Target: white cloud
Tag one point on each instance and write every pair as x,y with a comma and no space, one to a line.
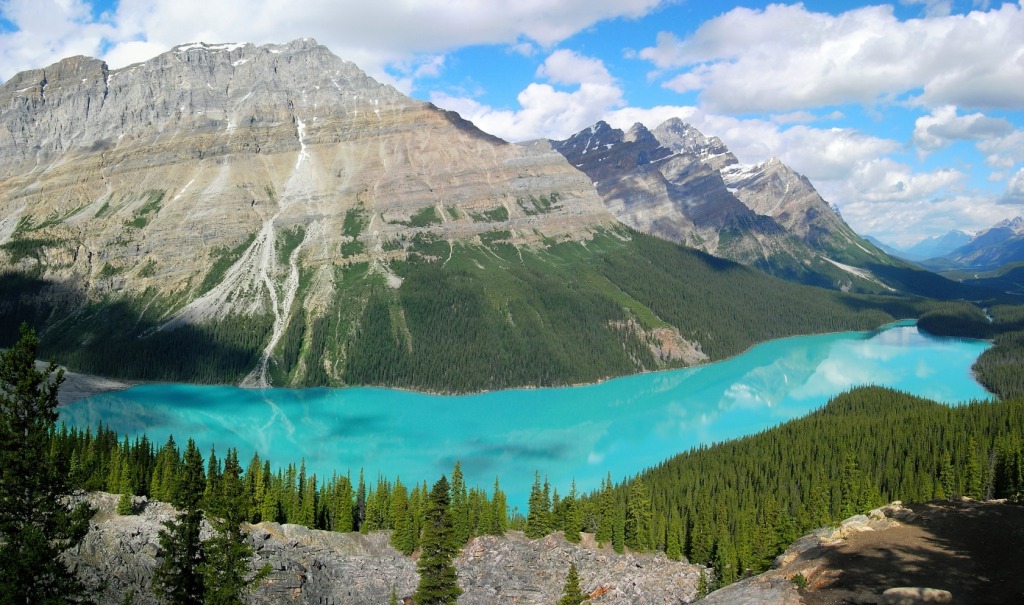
1015,190
944,126
885,180
544,110
373,34
567,67
891,201
789,58
1004,152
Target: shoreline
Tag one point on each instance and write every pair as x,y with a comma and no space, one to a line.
82,386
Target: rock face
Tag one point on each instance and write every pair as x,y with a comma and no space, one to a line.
677,183
215,180
315,567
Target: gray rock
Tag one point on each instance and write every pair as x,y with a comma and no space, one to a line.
316,567
912,595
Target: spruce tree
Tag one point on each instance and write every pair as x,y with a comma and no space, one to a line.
499,512
460,506
572,594
225,568
401,517
539,510
35,523
638,517
438,581
177,578
126,504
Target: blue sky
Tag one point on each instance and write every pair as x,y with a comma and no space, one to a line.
908,116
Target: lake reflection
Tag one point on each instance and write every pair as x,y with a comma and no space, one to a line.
619,426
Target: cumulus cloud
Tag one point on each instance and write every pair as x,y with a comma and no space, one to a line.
1004,152
1015,190
545,111
944,126
373,34
785,58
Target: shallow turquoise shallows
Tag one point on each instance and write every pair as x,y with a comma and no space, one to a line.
620,426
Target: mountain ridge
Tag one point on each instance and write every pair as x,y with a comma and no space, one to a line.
272,216
676,183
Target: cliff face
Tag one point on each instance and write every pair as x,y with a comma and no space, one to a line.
315,567
131,178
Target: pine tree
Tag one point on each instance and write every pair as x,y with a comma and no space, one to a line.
499,512
973,473
605,513
619,529
638,517
359,513
225,568
460,507
401,517
126,503
438,581
572,594
674,540
177,578
539,510
35,525
571,522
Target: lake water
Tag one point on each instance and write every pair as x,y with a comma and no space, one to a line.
620,426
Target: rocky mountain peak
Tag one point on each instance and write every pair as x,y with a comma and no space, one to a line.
1016,224
681,137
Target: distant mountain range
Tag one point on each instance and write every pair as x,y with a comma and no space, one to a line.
935,246
270,215
989,250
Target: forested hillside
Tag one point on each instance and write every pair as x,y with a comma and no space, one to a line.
468,317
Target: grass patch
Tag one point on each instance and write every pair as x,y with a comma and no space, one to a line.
223,258
355,221
148,269
538,205
287,241
26,247
352,248
424,218
494,215
489,238
109,270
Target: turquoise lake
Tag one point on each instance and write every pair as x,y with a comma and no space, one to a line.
619,426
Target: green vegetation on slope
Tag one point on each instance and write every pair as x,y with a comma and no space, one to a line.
467,317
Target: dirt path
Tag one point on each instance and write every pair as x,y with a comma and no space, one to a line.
974,550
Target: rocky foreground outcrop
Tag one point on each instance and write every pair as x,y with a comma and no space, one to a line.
310,566
945,551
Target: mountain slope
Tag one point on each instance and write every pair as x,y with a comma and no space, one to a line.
272,216
678,184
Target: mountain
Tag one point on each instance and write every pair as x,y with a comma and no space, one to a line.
938,245
989,250
884,247
678,184
271,215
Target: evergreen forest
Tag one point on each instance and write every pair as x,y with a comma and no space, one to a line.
731,506
468,317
